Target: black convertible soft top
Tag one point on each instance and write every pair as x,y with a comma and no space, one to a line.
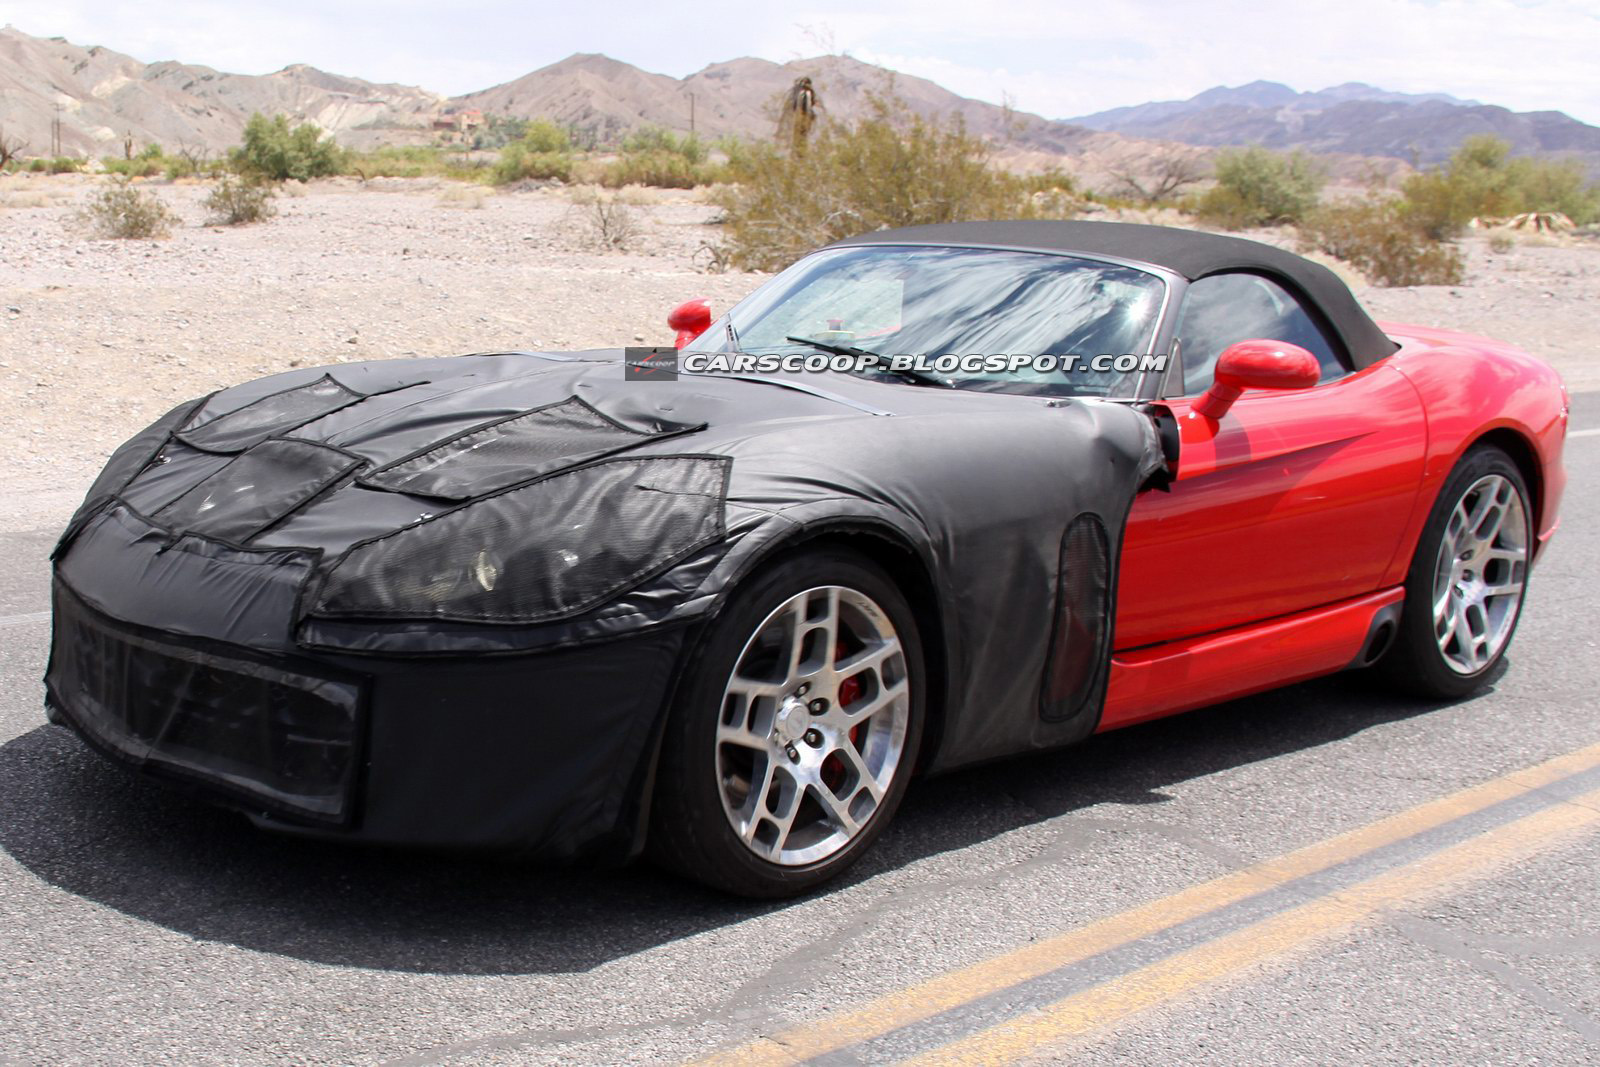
1189,253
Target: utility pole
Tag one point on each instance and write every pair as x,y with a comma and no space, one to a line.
55,135
691,114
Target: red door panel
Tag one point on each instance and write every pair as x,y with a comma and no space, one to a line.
1296,500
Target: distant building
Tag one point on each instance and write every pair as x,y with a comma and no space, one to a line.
459,123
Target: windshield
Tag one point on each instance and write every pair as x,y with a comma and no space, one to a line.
932,302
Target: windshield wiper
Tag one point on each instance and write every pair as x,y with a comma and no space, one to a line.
907,373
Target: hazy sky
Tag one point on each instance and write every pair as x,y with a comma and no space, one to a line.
1056,59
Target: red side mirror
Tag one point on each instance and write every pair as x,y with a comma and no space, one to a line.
690,319
1256,365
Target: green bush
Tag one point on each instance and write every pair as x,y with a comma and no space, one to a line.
238,202
274,152
665,170
142,166
517,164
543,153
544,136
655,156
58,165
1481,179
659,139
122,211
498,131
888,169
1376,236
1256,187
147,164
412,161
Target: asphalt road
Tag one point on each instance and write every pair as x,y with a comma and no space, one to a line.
1174,893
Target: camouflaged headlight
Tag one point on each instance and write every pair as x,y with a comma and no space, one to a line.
548,550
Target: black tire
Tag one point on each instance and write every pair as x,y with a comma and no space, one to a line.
1415,663
691,832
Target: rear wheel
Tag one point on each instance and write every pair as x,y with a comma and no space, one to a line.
795,732
1467,581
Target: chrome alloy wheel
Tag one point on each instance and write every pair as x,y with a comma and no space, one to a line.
813,725
1479,576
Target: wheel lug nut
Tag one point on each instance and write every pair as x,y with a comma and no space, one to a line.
794,753
814,737
802,689
818,706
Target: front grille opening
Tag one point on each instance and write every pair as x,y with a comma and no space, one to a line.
284,740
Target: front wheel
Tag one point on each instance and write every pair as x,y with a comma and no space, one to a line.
796,729
1467,580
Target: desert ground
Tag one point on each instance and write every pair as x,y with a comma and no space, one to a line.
98,337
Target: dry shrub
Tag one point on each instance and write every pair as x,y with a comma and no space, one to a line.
192,161
889,169
1376,237
23,200
119,210
236,202
1162,180
471,197
711,258
1501,243
608,218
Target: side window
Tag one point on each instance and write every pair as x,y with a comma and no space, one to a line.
1225,308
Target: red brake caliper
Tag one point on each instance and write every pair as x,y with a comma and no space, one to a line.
849,693
849,689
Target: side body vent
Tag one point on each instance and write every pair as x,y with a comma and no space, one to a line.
1079,641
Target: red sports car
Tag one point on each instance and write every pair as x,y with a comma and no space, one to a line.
928,497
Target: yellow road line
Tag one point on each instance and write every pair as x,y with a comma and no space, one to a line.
1250,947
962,986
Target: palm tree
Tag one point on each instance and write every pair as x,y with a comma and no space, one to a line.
798,114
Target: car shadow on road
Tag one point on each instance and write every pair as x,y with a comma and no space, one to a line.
160,856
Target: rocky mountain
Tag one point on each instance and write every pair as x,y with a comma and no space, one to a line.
1351,118
102,97
604,98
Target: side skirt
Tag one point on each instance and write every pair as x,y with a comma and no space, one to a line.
1148,683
